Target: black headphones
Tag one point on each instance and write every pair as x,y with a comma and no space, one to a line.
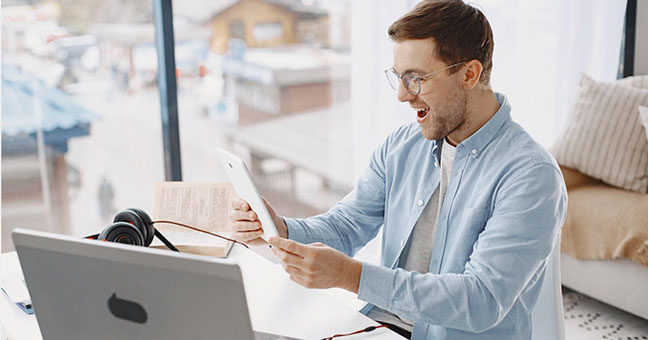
132,226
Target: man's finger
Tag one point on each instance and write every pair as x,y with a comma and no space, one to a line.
297,279
301,281
248,235
257,242
289,259
240,204
289,246
292,270
243,226
239,215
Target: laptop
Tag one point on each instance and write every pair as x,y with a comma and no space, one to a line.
85,289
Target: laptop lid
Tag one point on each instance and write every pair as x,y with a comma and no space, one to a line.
86,289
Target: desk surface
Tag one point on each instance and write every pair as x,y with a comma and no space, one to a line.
292,310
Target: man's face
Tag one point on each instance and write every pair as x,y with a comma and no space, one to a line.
440,107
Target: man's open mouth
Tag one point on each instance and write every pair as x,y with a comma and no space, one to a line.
422,111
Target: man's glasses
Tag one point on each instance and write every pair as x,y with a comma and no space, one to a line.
412,81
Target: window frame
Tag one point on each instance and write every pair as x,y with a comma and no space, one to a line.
167,85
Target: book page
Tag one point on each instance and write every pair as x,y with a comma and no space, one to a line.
203,205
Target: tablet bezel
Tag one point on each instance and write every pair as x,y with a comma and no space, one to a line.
239,175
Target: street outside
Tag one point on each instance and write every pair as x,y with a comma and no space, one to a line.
125,146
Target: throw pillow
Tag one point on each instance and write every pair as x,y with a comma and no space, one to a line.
636,81
604,137
643,113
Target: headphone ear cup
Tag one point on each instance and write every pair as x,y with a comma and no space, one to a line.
122,232
148,225
129,216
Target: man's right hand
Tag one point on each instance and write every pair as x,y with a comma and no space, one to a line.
248,228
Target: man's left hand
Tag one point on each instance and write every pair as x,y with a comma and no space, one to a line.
317,265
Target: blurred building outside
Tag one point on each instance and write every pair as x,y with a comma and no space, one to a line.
37,182
101,55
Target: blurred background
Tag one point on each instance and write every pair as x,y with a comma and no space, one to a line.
296,87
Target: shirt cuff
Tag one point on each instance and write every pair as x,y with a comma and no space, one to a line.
376,285
296,231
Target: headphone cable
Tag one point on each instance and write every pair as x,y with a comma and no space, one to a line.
202,231
368,329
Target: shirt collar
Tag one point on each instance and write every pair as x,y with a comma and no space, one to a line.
482,137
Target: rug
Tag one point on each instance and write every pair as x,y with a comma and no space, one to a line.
589,319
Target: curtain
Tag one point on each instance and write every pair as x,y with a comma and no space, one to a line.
541,47
376,110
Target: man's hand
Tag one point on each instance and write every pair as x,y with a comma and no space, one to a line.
247,227
317,265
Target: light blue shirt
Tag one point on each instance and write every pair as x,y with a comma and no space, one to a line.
504,208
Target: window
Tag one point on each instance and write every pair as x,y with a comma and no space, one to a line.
80,114
301,100
237,29
268,31
279,97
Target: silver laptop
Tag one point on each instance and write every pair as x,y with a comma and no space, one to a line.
85,289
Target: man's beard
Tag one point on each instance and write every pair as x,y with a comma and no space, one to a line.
446,120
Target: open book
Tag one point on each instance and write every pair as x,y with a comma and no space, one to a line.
201,205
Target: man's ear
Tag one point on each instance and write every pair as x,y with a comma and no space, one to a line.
472,73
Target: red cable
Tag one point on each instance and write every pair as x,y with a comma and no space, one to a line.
368,329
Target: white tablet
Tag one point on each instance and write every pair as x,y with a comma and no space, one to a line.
242,181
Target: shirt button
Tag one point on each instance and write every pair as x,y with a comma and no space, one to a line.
474,151
419,202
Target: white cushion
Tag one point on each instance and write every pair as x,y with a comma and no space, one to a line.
604,137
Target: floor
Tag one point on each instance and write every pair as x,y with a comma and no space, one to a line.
589,319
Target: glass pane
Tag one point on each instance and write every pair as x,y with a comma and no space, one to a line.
81,136
274,88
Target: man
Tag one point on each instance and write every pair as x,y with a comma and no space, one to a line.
470,205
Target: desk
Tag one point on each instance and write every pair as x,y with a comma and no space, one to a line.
291,310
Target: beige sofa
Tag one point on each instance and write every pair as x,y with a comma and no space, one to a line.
605,243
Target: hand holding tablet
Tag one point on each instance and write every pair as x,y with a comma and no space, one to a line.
251,212
248,228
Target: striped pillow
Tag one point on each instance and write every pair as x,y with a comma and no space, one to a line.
643,113
604,137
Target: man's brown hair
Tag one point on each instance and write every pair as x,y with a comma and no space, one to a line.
460,32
